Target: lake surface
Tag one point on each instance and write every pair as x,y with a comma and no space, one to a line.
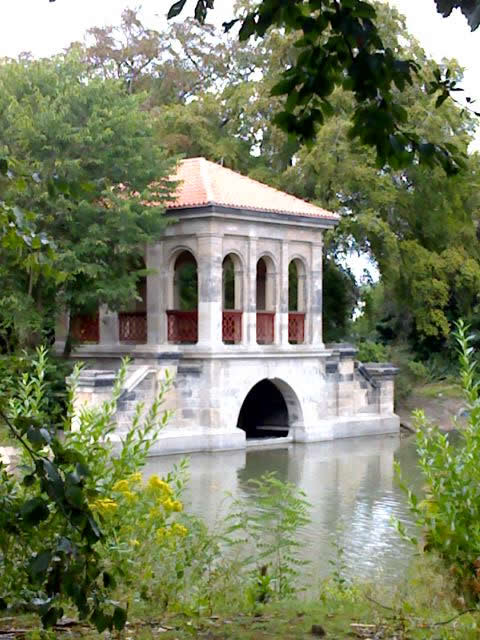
350,484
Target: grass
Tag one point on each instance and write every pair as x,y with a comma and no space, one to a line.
444,389
423,607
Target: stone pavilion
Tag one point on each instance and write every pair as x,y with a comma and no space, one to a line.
233,309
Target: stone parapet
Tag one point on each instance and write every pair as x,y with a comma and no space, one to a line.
382,376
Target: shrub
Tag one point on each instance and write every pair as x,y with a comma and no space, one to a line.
52,525
449,513
417,370
369,351
56,370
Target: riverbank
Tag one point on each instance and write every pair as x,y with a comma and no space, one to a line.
441,402
420,608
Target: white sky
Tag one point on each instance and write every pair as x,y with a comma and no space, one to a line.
44,27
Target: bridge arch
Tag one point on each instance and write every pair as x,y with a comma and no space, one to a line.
270,409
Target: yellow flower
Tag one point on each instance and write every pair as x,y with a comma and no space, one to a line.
155,483
135,543
172,505
135,478
130,496
104,505
154,513
167,504
162,533
179,529
177,506
121,485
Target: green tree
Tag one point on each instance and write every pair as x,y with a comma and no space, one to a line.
87,132
339,45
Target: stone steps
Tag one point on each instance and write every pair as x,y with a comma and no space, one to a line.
144,393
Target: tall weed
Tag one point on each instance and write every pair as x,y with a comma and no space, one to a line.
448,515
268,535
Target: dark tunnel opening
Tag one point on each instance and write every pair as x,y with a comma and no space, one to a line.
264,413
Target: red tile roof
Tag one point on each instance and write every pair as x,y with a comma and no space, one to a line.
205,183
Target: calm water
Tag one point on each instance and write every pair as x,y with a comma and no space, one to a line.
350,484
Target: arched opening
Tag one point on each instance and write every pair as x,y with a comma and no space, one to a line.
296,302
264,413
132,321
265,291
229,284
183,318
232,300
293,286
185,282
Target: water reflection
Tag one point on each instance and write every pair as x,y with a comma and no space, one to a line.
350,484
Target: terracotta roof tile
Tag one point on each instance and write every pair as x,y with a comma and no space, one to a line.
205,183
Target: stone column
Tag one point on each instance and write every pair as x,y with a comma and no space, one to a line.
210,293
314,312
157,286
62,322
239,286
108,326
282,307
250,308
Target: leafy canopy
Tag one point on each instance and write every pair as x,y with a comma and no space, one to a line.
68,124
339,45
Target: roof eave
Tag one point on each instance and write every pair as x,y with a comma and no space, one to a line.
213,209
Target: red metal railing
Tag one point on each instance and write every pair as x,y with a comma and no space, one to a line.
132,327
265,327
232,327
85,328
296,328
182,327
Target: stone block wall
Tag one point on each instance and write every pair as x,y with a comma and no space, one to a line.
327,395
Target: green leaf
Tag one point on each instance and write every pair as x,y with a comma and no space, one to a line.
101,620
3,166
34,511
248,27
200,11
51,617
119,618
284,86
38,437
176,9
70,456
38,566
29,480
441,99
74,495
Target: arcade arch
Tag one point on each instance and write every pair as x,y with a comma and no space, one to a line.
296,301
132,321
183,313
232,297
265,300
